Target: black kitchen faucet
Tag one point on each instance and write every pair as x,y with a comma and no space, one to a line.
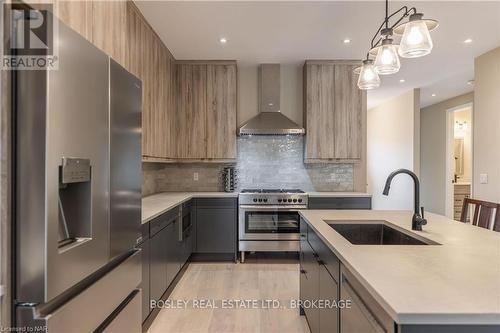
417,220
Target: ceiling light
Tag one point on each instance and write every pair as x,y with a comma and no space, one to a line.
223,40
468,41
387,60
470,82
415,41
402,81
346,41
433,95
368,77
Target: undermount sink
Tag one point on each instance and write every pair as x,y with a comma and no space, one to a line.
376,233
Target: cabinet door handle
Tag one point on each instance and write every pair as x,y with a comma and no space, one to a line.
362,306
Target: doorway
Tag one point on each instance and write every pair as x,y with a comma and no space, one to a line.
459,157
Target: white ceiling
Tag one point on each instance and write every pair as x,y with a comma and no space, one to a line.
290,32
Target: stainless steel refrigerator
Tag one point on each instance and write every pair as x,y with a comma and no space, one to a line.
77,193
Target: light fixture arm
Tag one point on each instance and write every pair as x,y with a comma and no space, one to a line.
406,13
382,56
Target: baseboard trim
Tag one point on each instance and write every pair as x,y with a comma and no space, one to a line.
213,257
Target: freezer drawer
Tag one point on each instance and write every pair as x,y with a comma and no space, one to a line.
87,309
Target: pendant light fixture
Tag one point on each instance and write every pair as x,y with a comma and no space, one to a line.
415,42
387,60
368,76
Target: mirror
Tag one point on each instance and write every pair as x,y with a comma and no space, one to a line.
459,156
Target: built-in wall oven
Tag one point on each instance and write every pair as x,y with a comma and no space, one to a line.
269,220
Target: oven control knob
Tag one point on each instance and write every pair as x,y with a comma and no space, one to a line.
260,200
265,200
289,200
279,200
300,200
254,200
294,200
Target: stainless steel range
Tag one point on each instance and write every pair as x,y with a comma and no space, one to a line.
269,219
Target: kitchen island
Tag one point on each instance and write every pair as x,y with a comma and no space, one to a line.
452,284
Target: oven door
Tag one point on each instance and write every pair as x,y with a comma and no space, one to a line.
269,222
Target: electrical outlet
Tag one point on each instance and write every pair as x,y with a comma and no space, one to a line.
195,176
483,178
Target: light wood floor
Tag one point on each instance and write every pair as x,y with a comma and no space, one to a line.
256,279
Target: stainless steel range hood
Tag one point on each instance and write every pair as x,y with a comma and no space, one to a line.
270,121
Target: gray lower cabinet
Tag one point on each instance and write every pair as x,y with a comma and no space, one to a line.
169,240
318,284
187,244
329,292
309,286
340,203
188,225
216,225
172,249
364,314
158,260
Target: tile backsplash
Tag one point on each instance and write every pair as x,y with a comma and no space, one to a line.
277,162
262,162
179,177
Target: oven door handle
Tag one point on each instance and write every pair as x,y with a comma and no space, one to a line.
273,208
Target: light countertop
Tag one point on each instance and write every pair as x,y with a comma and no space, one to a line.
338,194
157,204
457,282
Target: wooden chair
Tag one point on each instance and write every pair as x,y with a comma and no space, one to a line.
483,212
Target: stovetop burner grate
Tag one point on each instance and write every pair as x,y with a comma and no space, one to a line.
272,191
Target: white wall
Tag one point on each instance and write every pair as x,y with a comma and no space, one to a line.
433,152
393,143
487,125
291,92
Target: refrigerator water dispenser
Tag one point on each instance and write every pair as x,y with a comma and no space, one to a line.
74,202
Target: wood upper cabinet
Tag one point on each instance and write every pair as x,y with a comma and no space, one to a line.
335,112
77,15
319,110
348,113
109,28
150,60
188,108
206,110
191,113
221,111
135,28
